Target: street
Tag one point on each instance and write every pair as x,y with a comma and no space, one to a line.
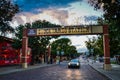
56,72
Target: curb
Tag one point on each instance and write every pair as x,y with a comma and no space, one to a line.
108,78
22,69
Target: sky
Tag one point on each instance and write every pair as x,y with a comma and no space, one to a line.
63,12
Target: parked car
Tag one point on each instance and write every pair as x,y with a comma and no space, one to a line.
74,63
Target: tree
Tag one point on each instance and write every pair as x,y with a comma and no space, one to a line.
71,52
7,11
114,39
96,44
59,45
90,45
111,9
99,46
63,44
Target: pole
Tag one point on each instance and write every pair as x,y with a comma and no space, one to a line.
49,54
24,49
107,64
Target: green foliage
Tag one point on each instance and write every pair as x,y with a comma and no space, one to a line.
96,44
114,39
7,12
60,44
63,44
111,8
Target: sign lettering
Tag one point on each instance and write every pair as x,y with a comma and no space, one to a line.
65,31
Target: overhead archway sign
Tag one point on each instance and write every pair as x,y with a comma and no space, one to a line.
65,31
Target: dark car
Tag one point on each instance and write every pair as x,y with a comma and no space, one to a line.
74,63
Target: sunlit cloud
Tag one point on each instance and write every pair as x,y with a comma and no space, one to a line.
60,15
51,15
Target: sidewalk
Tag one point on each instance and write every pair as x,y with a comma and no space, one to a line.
12,69
113,74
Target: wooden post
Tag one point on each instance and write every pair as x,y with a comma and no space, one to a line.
107,64
24,49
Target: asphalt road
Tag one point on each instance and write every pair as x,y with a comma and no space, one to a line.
56,72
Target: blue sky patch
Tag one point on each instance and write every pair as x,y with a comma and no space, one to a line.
33,5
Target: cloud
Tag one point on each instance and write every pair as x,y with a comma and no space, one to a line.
91,18
52,15
22,18
60,15
33,5
77,40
